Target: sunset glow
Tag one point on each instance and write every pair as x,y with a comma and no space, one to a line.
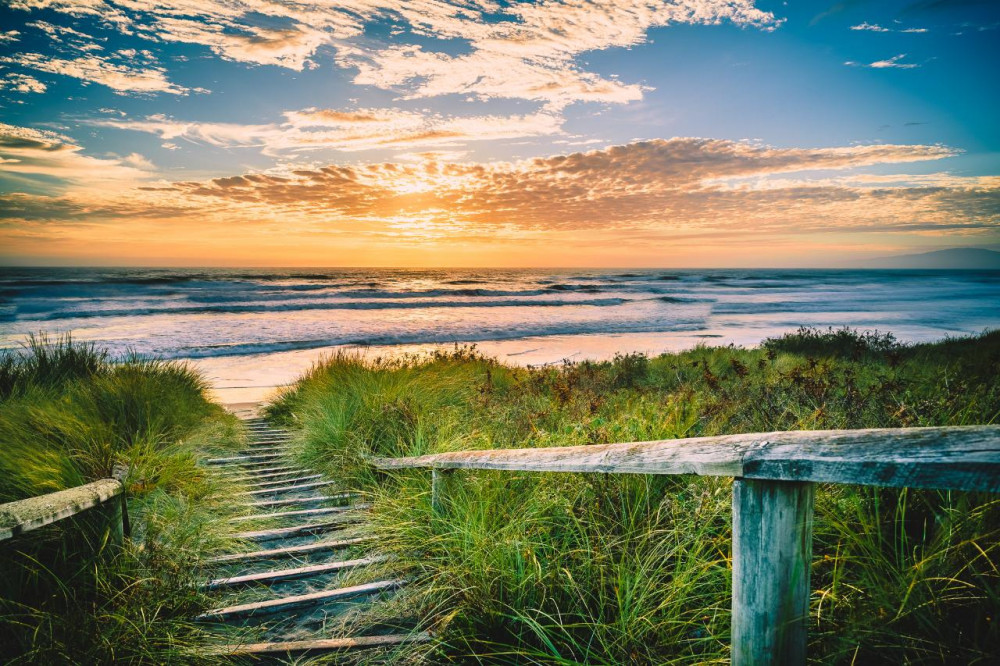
553,133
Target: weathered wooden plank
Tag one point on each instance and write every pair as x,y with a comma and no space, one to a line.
772,553
291,514
297,480
717,456
289,551
288,603
958,457
301,530
279,575
29,514
303,500
282,489
442,481
237,471
268,475
323,644
248,457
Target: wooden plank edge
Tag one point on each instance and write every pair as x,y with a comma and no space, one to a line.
323,644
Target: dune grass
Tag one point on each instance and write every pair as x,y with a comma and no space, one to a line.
572,569
74,592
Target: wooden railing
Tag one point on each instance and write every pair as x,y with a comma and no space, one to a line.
773,489
30,514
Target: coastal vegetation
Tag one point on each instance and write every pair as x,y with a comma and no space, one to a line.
75,592
572,569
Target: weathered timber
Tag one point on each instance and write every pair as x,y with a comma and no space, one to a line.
772,553
282,489
278,575
323,644
290,551
300,530
250,457
286,603
956,457
29,514
278,470
442,481
288,482
291,514
303,500
269,475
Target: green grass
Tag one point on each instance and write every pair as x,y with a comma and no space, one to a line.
572,569
73,593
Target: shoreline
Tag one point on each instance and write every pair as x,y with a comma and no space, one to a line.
254,378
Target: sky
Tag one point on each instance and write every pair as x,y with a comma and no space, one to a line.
723,133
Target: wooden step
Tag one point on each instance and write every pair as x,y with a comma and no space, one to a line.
300,530
278,575
288,514
287,603
282,489
289,551
323,644
266,484
251,466
244,458
303,500
271,475
238,472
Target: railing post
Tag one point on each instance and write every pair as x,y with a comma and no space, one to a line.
772,553
120,473
440,484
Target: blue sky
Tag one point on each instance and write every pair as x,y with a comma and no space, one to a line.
436,133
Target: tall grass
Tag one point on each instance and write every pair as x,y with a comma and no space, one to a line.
572,569
73,592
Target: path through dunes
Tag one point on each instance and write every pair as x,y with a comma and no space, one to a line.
308,564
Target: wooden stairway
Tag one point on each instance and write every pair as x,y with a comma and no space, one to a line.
284,593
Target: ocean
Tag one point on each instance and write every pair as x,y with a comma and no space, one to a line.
525,316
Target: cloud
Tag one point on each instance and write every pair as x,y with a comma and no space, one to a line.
22,83
346,130
487,50
890,63
870,27
9,36
874,27
30,156
675,182
121,78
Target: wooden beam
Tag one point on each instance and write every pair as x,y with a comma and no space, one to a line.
291,514
299,530
772,554
304,500
289,482
289,551
323,644
30,514
282,489
278,575
955,457
287,603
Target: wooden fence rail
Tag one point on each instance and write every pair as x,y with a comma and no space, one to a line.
30,514
773,495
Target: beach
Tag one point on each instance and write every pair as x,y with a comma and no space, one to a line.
252,331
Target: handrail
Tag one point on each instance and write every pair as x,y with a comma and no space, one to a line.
953,457
30,514
773,492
